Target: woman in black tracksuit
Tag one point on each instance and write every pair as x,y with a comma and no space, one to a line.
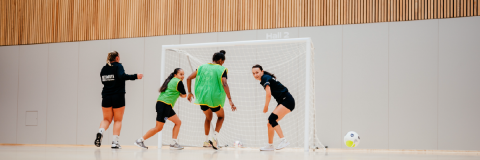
113,97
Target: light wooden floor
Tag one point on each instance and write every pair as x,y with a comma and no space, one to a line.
61,152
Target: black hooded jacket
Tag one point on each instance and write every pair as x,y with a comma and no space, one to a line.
113,79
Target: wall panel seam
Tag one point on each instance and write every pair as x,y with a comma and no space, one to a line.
46,108
341,92
388,85
18,95
438,78
78,85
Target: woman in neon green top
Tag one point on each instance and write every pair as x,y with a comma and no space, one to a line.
171,89
210,89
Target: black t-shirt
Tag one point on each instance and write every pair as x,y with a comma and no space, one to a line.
113,79
277,88
223,75
181,88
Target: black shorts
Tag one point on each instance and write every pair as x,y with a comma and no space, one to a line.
205,108
164,111
287,101
115,101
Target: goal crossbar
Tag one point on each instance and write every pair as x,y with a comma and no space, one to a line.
234,43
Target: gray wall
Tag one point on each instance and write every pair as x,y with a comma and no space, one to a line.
400,85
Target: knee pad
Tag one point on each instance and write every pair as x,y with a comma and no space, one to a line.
273,120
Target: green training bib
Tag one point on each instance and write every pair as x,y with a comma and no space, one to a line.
208,85
170,95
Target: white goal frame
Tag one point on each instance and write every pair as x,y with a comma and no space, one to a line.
308,77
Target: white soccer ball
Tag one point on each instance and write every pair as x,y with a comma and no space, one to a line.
238,144
352,139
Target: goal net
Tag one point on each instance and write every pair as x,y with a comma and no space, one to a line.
291,60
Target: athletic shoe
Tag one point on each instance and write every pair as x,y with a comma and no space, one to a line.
140,144
98,140
116,145
176,146
284,143
269,147
207,144
214,143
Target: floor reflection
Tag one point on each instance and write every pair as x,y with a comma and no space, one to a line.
133,153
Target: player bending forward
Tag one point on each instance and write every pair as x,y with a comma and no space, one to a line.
171,89
285,101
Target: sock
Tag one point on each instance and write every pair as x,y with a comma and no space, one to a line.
175,141
140,139
282,139
115,138
206,138
271,144
101,130
215,135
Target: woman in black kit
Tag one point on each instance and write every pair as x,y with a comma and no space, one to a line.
285,101
113,97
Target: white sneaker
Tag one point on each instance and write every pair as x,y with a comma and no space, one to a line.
284,143
207,144
214,143
269,147
140,144
175,146
115,145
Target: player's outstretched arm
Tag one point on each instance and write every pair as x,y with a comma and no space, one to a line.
227,91
189,86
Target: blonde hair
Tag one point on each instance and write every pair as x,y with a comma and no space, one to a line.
111,57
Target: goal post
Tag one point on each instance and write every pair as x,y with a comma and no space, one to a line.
291,60
307,94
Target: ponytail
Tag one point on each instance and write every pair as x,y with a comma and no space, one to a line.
111,57
268,73
165,84
264,72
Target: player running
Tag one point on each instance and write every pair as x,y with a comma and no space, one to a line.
171,89
210,90
113,78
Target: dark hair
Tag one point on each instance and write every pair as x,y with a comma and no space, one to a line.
264,72
219,56
165,84
111,57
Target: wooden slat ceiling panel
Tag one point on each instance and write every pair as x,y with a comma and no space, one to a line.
48,21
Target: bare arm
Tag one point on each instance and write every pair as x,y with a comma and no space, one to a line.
226,88
267,98
183,95
189,85
227,91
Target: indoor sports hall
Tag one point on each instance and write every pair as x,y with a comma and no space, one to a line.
239,79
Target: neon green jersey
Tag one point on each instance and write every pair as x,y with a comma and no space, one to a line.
170,95
208,85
